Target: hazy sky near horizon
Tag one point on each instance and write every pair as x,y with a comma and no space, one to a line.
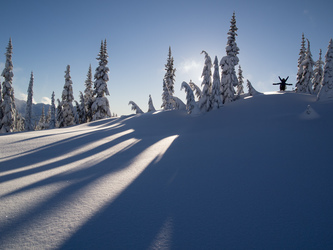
49,35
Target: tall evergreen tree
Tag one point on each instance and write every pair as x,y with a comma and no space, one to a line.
229,79
216,95
100,107
168,84
151,107
318,73
52,123
326,90
302,53
205,99
88,95
8,104
240,88
67,101
305,83
28,111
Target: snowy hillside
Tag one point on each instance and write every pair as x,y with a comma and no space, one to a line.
255,174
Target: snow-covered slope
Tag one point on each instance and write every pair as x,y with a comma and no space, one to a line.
256,174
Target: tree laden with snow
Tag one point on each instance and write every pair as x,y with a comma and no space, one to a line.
151,107
251,89
240,88
1,111
205,100
52,123
135,107
28,110
216,95
41,124
195,88
88,95
191,105
80,110
326,90
318,73
60,122
302,53
7,124
305,83
229,79
100,107
48,118
67,114
168,84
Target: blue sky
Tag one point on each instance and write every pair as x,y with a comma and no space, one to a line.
49,35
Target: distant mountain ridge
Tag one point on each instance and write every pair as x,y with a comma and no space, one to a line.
36,109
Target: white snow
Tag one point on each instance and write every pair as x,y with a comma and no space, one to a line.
252,175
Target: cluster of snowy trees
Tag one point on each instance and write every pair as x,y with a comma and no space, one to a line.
93,104
315,77
216,90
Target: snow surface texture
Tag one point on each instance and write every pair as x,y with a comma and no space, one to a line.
250,175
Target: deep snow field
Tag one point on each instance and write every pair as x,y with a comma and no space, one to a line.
256,174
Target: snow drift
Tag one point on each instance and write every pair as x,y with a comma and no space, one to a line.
252,174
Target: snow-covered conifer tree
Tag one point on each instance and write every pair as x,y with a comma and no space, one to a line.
1,111
240,88
326,90
168,84
216,95
67,101
80,110
299,65
52,123
41,123
88,95
19,122
151,107
100,107
229,79
76,113
191,105
28,111
318,73
305,83
60,121
8,103
196,89
135,107
48,118
251,89
205,99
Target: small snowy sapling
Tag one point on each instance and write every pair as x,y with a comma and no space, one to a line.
135,107
191,105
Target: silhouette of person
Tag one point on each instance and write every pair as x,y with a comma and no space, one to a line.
283,83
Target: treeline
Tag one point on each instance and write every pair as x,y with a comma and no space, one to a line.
216,89
93,104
